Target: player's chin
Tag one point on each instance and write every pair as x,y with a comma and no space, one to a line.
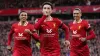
76,17
24,20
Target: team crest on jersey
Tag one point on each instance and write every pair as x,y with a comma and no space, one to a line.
79,27
54,25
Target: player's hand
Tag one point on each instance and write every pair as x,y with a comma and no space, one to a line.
45,13
9,48
28,31
67,43
82,39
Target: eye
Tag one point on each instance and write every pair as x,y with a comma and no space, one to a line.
23,15
48,8
76,13
44,8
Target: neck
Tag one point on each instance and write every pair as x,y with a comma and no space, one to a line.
23,22
77,20
49,18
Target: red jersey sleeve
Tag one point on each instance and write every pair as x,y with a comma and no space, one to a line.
38,23
65,28
10,35
87,25
89,30
34,35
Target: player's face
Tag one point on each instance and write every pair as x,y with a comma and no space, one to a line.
23,16
47,10
76,14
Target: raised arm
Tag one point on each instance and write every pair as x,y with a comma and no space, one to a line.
39,22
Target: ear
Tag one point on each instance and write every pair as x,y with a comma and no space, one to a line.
42,10
19,16
51,10
80,14
27,16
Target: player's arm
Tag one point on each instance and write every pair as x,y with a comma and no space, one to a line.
90,31
33,33
10,38
35,36
38,23
66,29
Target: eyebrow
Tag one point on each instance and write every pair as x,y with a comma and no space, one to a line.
76,13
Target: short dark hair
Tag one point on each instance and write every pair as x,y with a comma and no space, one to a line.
48,3
78,9
22,12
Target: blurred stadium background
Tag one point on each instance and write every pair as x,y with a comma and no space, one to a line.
9,10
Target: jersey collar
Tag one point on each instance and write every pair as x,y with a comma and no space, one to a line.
24,24
77,22
50,19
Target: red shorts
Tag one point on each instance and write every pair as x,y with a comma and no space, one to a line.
17,53
79,53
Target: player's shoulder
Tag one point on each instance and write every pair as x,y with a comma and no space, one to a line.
56,19
14,24
30,24
84,21
70,23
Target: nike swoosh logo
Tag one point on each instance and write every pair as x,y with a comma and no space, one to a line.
95,9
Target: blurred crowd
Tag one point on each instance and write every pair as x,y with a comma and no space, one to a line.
94,45
5,4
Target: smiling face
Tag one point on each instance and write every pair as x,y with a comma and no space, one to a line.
77,14
23,16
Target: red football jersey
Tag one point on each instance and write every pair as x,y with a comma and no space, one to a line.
49,35
21,38
80,28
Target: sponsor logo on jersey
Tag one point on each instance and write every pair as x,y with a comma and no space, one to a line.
49,30
49,35
20,37
20,34
74,31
